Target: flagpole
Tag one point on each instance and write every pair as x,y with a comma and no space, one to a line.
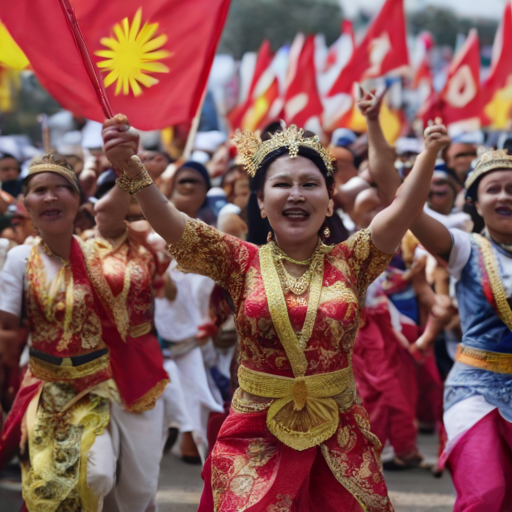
191,139
92,71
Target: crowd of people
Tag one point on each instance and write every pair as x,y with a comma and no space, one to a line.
287,313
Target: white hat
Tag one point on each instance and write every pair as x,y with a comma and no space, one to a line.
209,141
91,135
408,145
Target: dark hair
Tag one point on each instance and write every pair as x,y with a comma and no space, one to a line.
258,181
4,156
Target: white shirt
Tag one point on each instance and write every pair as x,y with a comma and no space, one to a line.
179,319
461,252
12,276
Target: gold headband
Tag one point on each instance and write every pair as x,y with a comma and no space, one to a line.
57,169
491,160
252,150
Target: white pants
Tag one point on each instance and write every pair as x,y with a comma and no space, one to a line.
196,391
176,411
124,463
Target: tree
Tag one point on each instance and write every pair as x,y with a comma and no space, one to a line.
252,21
444,24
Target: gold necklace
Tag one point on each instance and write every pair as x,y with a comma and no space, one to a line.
296,285
283,256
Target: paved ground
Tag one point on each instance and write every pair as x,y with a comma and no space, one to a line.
180,487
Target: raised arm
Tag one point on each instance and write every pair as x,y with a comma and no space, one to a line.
390,225
121,143
380,154
111,211
433,235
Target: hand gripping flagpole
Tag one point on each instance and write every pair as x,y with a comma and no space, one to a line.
90,68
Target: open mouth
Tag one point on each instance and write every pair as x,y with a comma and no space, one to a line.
296,214
51,214
504,210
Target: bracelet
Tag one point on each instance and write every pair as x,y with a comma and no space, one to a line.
134,185
143,180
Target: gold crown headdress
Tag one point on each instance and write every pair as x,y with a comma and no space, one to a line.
490,160
45,164
252,150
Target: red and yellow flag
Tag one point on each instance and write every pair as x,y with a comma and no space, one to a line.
154,55
497,88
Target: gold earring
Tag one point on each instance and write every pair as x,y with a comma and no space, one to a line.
270,236
327,232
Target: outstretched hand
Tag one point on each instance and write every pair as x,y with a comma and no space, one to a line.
370,103
436,136
120,143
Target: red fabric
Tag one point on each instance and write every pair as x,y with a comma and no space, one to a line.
429,408
302,100
11,432
265,56
501,66
192,27
274,475
460,99
383,49
137,363
481,466
385,376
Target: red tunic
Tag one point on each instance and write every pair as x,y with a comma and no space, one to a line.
249,468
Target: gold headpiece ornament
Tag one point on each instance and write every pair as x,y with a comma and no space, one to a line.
252,150
46,163
490,160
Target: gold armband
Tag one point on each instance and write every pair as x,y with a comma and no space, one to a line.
134,185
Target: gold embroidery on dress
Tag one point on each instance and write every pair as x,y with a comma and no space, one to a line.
49,302
59,443
240,477
204,250
52,373
95,252
356,481
284,504
495,279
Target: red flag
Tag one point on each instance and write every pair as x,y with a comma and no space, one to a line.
302,100
335,53
383,49
460,99
155,59
261,71
497,88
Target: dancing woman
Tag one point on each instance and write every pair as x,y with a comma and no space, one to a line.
478,391
80,363
296,438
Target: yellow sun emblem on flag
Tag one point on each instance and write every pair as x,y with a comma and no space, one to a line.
132,54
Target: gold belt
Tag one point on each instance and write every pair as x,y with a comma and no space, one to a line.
491,361
305,412
64,372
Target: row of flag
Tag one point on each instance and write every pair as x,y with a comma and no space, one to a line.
151,61
464,103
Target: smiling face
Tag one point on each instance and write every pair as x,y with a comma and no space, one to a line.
494,204
295,199
189,191
52,203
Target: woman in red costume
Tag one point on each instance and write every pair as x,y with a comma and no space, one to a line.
80,410
297,437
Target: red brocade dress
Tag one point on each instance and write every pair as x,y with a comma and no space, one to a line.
297,437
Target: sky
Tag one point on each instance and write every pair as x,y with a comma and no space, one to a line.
470,8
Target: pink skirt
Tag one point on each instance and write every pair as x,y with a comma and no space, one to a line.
481,466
